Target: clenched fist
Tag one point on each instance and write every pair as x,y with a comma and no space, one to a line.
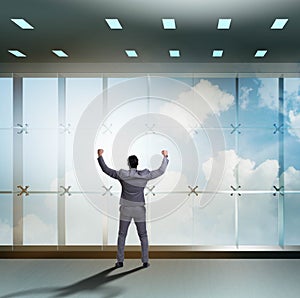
100,152
165,153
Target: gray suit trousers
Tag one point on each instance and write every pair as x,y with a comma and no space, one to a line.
138,214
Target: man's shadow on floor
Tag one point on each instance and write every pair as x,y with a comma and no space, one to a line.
90,284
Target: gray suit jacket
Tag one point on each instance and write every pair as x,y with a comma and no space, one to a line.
133,181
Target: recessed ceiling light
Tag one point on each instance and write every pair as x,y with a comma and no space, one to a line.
60,53
17,53
279,24
22,23
131,53
174,53
169,24
224,24
217,53
260,53
114,24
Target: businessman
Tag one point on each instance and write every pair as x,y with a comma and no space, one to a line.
132,201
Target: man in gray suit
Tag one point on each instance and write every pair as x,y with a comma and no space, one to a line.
132,201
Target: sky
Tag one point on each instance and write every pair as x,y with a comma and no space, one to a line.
191,112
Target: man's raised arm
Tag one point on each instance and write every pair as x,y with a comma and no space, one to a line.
156,173
110,172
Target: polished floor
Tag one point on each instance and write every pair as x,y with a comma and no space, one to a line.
213,278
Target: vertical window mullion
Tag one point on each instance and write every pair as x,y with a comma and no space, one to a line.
237,169
281,164
61,223
17,161
104,109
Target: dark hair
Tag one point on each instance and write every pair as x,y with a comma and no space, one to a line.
133,161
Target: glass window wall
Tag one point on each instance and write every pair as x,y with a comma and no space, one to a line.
233,177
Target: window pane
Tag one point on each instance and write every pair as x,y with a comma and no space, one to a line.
215,223
40,102
292,134
83,222
195,225
40,219
258,219
291,162
121,91
6,102
170,89
177,226
219,94
40,160
258,163
6,219
80,92
292,104
292,219
6,123
6,159
258,102
217,164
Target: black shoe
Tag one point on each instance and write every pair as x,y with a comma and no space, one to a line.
119,264
145,265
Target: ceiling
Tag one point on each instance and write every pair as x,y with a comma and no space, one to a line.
79,28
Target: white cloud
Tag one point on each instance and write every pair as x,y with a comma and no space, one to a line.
294,124
202,100
268,93
244,96
250,175
292,106
227,168
292,179
264,176
291,88
219,100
